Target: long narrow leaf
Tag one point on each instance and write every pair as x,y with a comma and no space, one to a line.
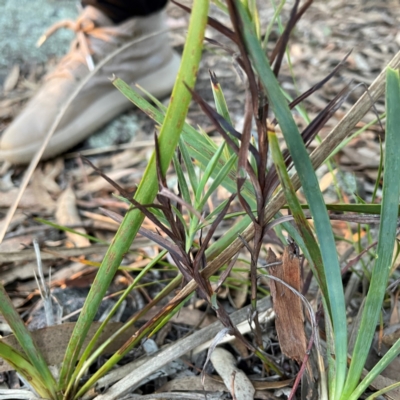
25,368
381,365
194,182
25,340
181,180
219,178
147,190
313,194
208,173
387,234
221,106
297,212
199,146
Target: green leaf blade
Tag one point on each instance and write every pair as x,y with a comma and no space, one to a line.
27,343
313,194
148,187
387,234
25,368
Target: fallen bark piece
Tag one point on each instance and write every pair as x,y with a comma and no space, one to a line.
238,384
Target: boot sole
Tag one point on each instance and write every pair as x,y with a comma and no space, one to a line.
97,115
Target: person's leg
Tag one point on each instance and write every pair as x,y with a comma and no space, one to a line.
147,60
120,10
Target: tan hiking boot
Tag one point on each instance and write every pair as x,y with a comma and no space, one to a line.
150,62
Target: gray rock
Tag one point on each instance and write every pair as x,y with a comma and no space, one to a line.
22,23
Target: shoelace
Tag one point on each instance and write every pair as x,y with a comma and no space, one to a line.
84,28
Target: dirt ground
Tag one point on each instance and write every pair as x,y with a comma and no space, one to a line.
67,192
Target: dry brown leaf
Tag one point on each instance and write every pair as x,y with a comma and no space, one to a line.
16,223
16,243
362,157
25,271
101,218
41,193
99,183
60,276
30,199
47,254
288,306
67,214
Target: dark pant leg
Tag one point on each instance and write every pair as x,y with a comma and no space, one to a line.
120,10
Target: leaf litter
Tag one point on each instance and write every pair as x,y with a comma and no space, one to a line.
67,192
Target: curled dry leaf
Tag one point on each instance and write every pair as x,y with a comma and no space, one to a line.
238,384
67,214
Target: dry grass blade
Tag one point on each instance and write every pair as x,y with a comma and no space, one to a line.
217,339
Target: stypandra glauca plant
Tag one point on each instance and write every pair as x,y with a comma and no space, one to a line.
264,179
31,365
